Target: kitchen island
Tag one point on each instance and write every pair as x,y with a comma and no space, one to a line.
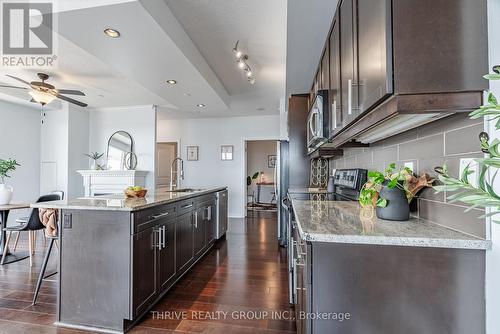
355,273
119,256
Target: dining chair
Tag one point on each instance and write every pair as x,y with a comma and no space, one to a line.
29,224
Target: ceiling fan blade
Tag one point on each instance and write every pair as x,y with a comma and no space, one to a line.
19,79
7,86
70,92
70,100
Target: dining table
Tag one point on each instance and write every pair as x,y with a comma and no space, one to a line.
4,215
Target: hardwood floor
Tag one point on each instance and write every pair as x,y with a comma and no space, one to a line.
240,286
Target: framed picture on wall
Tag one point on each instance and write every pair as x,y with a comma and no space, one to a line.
226,152
192,153
271,161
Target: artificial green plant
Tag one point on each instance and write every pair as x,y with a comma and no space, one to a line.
481,194
7,166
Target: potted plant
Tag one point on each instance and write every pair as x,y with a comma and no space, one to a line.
483,193
95,156
6,166
392,191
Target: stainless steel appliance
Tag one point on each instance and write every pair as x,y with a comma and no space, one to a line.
318,121
221,222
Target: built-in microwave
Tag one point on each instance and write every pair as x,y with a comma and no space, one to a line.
318,121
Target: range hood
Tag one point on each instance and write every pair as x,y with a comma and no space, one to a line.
401,113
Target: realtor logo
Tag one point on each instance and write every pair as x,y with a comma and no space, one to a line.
27,34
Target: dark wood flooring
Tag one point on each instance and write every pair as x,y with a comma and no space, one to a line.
240,286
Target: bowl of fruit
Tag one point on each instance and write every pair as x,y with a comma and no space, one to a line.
135,192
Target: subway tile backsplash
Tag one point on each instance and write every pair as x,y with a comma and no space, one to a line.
446,140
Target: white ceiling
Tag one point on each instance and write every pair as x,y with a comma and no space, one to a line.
189,41
308,25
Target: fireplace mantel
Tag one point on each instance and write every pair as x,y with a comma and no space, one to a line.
103,182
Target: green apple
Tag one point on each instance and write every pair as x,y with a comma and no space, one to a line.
137,188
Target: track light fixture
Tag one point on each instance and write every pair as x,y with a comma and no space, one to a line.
241,61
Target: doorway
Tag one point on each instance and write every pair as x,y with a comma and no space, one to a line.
166,152
261,175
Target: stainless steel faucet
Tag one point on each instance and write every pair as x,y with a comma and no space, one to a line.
179,173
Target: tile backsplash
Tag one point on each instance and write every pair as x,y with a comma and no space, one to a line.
447,140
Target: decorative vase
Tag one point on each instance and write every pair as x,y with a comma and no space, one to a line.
5,194
397,204
94,165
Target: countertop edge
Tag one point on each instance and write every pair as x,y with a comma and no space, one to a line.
56,205
473,244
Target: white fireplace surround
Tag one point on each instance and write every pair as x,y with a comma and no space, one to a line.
105,182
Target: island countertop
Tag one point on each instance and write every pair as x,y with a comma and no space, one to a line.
120,203
348,222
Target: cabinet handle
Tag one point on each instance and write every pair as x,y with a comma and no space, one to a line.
159,215
334,110
349,97
196,219
209,209
159,239
164,242
187,206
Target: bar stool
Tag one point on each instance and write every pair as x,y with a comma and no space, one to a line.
29,224
41,275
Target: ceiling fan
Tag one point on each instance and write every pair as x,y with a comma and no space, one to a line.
43,93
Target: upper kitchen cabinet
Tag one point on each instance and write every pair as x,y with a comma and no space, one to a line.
395,65
348,61
325,69
374,52
335,91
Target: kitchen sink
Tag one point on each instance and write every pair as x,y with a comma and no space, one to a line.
184,190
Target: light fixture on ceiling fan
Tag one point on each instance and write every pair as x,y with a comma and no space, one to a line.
241,60
44,93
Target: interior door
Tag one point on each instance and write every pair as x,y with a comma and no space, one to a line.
335,91
165,154
375,52
348,61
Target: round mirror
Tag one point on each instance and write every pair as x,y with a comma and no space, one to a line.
119,144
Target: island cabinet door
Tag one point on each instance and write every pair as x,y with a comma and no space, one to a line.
209,219
166,255
144,284
184,241
199,230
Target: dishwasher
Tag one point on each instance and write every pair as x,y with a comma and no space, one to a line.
221,221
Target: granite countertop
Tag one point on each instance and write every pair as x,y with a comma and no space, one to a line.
120,203
348,222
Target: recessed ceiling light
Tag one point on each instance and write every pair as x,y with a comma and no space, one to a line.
200,105
172,82
187,94
113,33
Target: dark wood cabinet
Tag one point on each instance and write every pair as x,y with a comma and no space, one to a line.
401,62
144,246
348,61
166,254
325,69
374,45
335,87
184,241
198,231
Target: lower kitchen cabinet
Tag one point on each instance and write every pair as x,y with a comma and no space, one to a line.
184,240
144,269
199,231
166,255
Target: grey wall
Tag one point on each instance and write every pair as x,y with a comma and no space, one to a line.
447,140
